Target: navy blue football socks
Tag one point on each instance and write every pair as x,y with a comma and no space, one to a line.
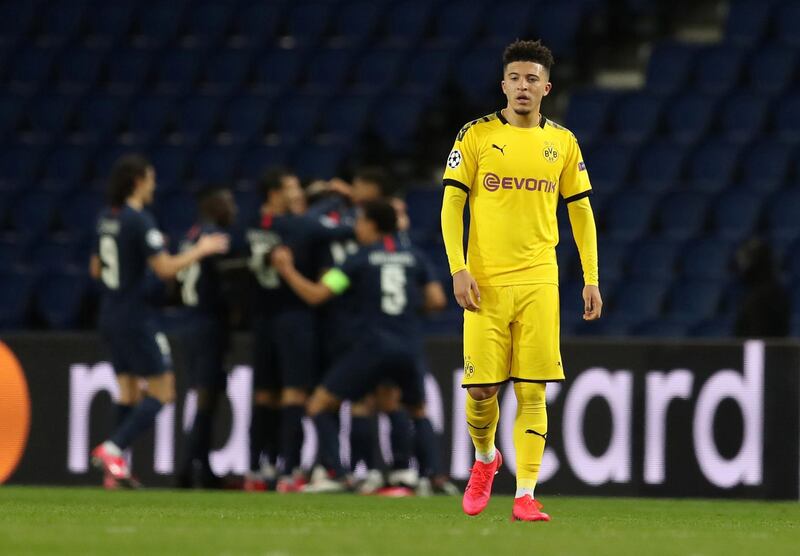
138,421
363,441
327,425
292,436
401,438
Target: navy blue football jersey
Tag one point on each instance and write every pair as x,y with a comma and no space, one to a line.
202,283
125,239
385,282
304,235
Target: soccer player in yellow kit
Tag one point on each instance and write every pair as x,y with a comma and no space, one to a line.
512,166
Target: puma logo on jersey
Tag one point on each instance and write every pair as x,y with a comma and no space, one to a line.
502,151
531,431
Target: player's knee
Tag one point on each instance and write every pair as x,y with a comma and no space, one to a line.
322,400
530,395
388,398
417,411
268,398
162,388
294,396
481,393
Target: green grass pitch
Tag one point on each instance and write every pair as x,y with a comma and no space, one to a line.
92,521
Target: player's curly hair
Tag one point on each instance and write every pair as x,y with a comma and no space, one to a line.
383,214
528,51
127,170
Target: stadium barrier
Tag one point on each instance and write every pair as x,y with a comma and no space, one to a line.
634,418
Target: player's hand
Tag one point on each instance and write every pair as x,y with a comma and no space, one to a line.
592,303
338,185
466,290
282,259
213,244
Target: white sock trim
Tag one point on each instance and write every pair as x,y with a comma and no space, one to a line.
523,491
112,448
486,458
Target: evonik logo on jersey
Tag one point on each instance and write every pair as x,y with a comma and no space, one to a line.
493,182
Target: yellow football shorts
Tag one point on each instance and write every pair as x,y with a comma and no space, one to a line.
514,336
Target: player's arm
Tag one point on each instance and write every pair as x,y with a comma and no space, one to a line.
167,266
95,266
435,299
576,189
459,175
332,283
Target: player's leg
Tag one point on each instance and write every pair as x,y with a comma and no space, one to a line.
536,360
487,355
129,395
401,435
364,443
265,413
298,363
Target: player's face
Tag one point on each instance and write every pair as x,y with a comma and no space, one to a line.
524,84
364,190
147,186
365,230
294,195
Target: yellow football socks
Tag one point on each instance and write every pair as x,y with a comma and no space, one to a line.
530,433
482,417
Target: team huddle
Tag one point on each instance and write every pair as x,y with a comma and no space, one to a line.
348,256
334,293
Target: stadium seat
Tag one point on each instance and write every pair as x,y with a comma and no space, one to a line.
782,213
308,21
196,117
78,69
787,22
706,258
786,118
78,213
427,75
458,22
175,213
681,215
60,22
477,74
66,168
748,22
669,67
16,20
11,111
635,117
742,117
157,23
587,114
255,23
226,70
345,117
148,116
735,213
608,164
257,159
277,70
398,121
170,162
501,29
208,22
659,167
711,166
771,69
557,23
129,71
627,215
248,203
245,117
318,161
660,328
32,214
765,166
50,115
216,164
177,70
56,252
100,116
692,301
109,22
16,288
328,69
378,69
612,256
424,207
638,301
716,327
12,248
653,259
406,22
59,297
693,117
296,117
19,165
356,22
792,262
717,69
30,69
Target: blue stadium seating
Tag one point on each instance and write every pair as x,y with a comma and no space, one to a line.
108,22
406,22
157,23
196,117
427,74
787,118
398,120
742,117
32,214
608,164
19,164
478,73
16,287
653,259
692,301
638,301
51,117
99,116
612,255
178,70
59,296
170,162
706,258
718,69
659,167
130,70
693,115
669,67
787,21
278,69
208,22
356,22
782,214
378,69
587,114
635,117
681,215
216,164
226,70
148,116
345,117
77,214
245,117
79,69
735,213
328,69
256,23
458,22
711,165
318,161
748,21
557,23
65,168
628,216
771,69
502,29
60,22
765,165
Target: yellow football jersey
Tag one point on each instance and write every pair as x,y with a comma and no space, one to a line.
513,177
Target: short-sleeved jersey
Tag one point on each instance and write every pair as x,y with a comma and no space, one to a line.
125,239
385,281
514,177
303,235
202,286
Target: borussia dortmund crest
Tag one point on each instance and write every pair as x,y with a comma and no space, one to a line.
469,368
550,153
